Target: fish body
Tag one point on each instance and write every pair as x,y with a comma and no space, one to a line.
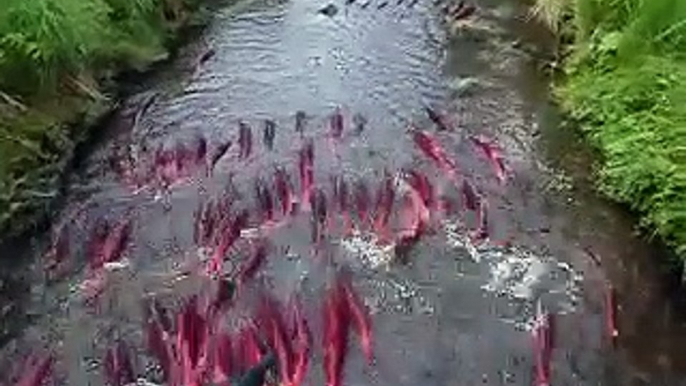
244,140
543,346
336,123
611,312
118,366
306,168
437,119
300,121
269,133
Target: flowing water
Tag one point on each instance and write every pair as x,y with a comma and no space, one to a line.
451,313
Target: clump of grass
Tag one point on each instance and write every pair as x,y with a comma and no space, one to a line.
53,56
626,85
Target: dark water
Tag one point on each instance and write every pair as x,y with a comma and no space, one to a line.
455,314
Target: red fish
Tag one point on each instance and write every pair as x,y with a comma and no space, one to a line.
191,344
265,200
36,371
482,232
300,121
341,197
494,156
611,312
306,168
430,146
159,345
230,233
284,189
248,352
244,140
362,201
359,316
336,123
471,200
269,134
319,214
421,184
385,199
118,367
303,344
272,325
223,359
219,153
543,346
335,338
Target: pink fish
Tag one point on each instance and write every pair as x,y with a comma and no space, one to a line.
362,201
272,325
303,344
482,232
494,156
223,359
431,148
471,200
300,121
265,201
421,184
247,350
611,312
159,345
191,344
230,233
335,338
35,371
341,197
244,140
219,153
319,214
543,346
118,366
306,168
269,134
385,199
359,315
284,189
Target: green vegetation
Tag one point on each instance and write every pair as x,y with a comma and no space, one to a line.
57,60
625,83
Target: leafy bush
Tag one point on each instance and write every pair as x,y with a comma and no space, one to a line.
626,85
52,55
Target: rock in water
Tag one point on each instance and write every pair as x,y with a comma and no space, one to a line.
330,10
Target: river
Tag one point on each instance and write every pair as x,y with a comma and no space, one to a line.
450,313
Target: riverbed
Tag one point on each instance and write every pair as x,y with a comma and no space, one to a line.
453,311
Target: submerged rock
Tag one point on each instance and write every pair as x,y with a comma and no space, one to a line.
330,10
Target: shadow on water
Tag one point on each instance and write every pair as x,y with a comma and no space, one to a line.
466,318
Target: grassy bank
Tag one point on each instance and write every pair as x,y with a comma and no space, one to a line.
58,59
625,83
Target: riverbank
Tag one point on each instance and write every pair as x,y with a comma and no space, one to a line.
624,84
61,67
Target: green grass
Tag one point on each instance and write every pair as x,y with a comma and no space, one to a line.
625,84
55,57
